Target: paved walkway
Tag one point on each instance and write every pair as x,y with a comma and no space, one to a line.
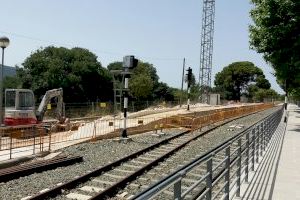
287,185
277,176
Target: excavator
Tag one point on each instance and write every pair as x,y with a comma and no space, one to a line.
20,107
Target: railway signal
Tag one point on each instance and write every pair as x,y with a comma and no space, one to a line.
129,63
189,79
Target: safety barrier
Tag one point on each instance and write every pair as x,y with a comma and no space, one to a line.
223,168
26,140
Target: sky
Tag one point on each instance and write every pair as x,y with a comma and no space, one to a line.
160,32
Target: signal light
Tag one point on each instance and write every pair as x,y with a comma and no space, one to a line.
130,62
189,74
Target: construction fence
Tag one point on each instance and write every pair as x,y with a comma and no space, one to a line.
91,109
27,140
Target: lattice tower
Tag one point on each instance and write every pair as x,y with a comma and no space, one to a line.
206,53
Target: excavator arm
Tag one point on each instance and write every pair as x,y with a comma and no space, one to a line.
46,99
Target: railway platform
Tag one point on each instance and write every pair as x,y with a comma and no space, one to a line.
287,182
277,176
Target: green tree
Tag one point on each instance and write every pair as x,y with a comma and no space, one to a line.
262,82
236,77
76,70
141,86
263,94
11,82
161,91
150,88
276,34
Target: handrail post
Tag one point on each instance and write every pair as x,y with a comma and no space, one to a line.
267,132
10,146
209,178
177,190
1,133
247,158
262,134
49,148
239,163
253,148
257,143
33,140
227,174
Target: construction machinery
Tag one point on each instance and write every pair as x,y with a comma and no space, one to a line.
20,106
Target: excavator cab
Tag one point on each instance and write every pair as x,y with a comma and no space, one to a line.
19,107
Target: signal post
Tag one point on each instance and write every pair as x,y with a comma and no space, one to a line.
129,63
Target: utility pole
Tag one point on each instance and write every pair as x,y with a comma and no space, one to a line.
189,78
182,80
129,62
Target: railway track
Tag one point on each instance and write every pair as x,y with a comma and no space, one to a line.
11,173
238,155
107,181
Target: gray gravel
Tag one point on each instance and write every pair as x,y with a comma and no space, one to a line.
102,152
191,151
95,155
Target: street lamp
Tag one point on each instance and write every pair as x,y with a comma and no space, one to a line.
4,42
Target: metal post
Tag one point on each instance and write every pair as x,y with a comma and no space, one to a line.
253,148
239,165
267,131
266,134
209,178
182,80
4,42
257,143
227,174
10,146
124,132
188,101
285,101
49,141
1,89
33,141
262,136
177,190
247,158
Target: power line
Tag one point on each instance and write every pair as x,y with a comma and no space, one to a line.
94,50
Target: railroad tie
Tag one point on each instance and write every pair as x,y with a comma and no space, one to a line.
91,189
130,197
139,162
145,158
103,182
131,166
122,195
26,198
153,155
187,180
78,196
122,170
114,176
195,175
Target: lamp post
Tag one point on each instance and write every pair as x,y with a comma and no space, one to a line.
4,42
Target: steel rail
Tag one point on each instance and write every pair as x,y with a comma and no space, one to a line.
199,159
114,188
11,173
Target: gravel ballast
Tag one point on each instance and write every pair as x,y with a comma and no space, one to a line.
103,152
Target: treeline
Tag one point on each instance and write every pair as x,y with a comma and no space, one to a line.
84,79
275,33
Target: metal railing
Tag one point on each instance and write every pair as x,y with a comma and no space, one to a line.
221,170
